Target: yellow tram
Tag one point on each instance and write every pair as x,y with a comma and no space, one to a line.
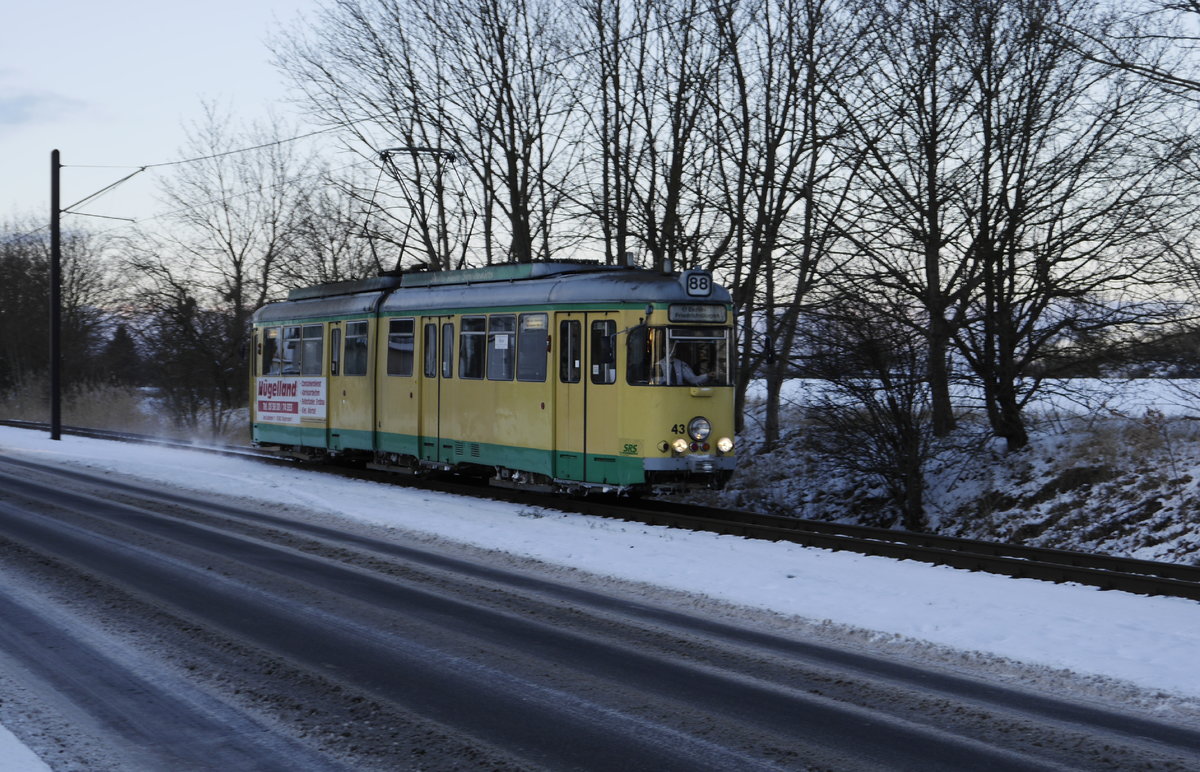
554,375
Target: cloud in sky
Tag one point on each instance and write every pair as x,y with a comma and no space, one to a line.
22,108
118,82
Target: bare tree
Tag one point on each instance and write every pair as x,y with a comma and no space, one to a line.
673,112
234,214
87,287
912,117
1014,190
1158,40
478,78
613,152
1068,193
194,352
780,180
235,222
335,235
875,416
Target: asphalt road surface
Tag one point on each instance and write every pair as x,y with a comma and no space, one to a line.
147,630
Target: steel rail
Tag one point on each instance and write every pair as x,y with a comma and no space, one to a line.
1056,565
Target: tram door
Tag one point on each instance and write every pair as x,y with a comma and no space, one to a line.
350,406
570,398
584,395
437,363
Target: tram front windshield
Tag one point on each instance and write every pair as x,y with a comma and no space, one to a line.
678,356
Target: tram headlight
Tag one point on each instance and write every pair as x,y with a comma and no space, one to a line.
699,428
680,445
724,444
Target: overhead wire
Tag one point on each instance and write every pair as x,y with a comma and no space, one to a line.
101,192
341,125
223,199
242,194
263,146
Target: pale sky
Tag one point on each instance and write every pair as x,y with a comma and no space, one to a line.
114,82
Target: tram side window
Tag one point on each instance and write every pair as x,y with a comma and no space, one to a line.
335,351
604,353
356,348
431,350
401,342
639,363
311,349
290,351
502,348
472,347
448,350
570,351
302,350
531,347
270,364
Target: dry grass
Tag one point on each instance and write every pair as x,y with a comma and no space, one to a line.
106,406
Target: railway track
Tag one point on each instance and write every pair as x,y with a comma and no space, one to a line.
1106,572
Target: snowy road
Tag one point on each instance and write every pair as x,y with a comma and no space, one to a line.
188,636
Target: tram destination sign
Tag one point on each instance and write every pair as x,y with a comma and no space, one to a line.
704,313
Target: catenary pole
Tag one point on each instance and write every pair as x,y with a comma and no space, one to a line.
55,301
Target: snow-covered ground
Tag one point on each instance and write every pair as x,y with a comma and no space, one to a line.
1146,642
1112,466
15,757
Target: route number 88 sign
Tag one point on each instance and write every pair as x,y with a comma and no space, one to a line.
698,284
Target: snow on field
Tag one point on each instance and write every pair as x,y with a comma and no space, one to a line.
1128,396
1148,642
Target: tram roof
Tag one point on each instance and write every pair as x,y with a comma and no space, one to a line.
564,289
508,285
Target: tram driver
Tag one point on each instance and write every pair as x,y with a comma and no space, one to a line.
679,371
